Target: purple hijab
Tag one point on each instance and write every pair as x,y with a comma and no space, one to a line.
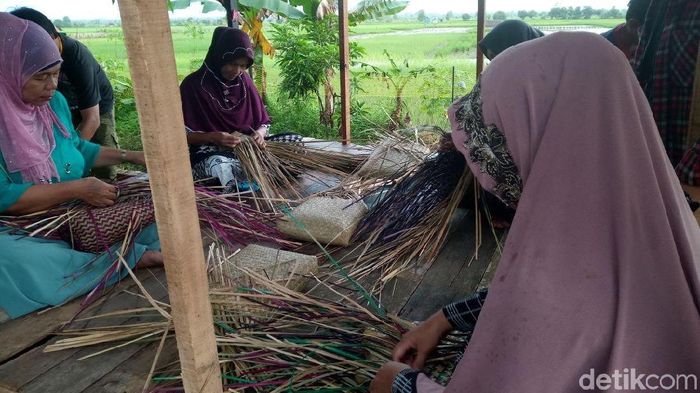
26,131
601,269
209,103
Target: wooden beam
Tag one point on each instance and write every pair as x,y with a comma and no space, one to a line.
344,72
230,6
149,46
480,22
694,124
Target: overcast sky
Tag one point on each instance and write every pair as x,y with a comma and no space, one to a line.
93,9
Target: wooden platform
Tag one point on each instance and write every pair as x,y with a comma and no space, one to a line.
24,367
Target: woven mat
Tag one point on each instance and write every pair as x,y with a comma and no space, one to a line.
328,220
390,157
278,265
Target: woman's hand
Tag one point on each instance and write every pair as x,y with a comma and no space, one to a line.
259,137
385,377
224,139
419,342
95,192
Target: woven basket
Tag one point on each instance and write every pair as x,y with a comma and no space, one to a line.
95,229
286,267
325,219
391,157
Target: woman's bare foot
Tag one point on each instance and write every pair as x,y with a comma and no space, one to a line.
150,259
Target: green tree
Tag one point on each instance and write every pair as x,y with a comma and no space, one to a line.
499,15
420,15
449,15
466,16
397,77
308,57
66,22
522,14
587,12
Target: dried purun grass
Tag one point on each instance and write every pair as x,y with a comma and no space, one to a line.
302,158
274,339
409,225
232,221
275,179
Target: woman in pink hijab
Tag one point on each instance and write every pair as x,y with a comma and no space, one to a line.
42,164
599,279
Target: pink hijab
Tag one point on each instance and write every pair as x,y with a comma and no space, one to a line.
26,131
601,267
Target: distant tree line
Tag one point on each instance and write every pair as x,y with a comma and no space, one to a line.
574,13
554,13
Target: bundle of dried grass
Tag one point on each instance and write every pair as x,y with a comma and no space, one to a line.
304,158
410,224
232,222
273,339
276,180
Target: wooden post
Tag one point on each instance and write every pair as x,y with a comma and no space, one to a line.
149,46
694,124
480,21
230,6
344,72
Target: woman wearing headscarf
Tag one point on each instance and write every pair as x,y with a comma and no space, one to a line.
506,34
600,275
42,164
220,100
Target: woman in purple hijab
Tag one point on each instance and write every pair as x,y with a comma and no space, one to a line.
598,285
220,100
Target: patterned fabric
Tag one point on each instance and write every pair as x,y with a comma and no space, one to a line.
487,147
688,170
405,381
464,314
225,167
665,65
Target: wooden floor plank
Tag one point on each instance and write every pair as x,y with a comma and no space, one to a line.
22,333
31,367
454,275
61,377
130,376
400,290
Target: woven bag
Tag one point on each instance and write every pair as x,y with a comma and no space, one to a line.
95,229
286,267
326,219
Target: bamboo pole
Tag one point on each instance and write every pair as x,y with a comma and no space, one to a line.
149,47
481,17
344,72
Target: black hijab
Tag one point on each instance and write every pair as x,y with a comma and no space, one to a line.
506,34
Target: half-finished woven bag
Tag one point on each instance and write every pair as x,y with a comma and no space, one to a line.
326,219
95,229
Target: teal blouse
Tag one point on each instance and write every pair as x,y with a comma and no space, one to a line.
74,157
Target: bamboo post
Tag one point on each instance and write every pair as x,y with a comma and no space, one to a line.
344,72
149,47
694,124
481,20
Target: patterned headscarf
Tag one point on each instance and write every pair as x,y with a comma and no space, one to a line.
26,131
